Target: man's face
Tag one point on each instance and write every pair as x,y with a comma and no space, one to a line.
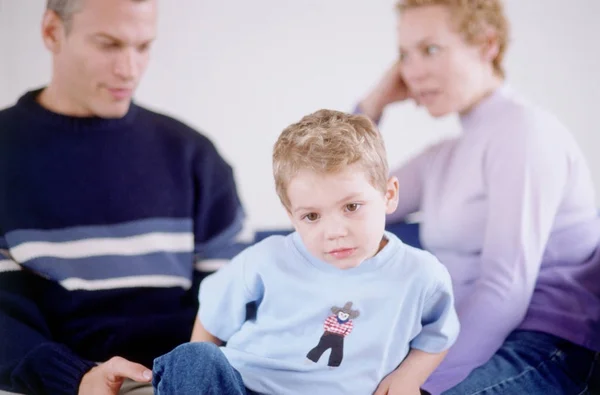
99,62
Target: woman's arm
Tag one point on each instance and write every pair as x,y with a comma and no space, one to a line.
389,89
411,179
526,171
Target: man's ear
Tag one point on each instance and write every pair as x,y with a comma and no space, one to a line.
391,195
53,31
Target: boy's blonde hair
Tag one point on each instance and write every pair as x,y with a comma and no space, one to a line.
327,141
471,17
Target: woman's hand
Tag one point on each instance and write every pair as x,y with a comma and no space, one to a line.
391,88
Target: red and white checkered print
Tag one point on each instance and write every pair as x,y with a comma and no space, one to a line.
332,325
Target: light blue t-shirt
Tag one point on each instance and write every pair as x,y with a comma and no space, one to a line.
357,324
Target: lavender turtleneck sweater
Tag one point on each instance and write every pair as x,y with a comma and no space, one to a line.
509,207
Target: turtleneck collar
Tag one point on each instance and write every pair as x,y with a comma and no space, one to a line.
486,106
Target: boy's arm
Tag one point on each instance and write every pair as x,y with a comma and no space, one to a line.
412,373
224,296
200,334
440,328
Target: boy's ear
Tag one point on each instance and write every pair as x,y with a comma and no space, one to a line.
391,195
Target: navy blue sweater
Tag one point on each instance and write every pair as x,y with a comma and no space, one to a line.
101,224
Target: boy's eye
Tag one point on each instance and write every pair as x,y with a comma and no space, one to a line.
352,207
311,217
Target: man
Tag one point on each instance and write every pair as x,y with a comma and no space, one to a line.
105,208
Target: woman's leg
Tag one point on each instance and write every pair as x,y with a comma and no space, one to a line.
196,368
531,363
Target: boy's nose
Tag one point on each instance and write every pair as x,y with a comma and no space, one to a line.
335,230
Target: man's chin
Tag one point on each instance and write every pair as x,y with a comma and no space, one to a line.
114,112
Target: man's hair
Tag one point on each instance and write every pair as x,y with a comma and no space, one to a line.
471,18
328,141
65,9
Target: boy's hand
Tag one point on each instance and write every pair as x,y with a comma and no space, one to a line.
393,384
408,378
108,377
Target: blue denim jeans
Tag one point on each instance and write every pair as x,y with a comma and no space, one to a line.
532,363
194,369
197,369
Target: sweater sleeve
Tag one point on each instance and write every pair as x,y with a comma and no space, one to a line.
30,361
412,176
410,179
526,172
219,213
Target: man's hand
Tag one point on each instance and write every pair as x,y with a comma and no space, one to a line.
394,384
107,378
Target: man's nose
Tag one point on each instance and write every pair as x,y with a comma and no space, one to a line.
126,64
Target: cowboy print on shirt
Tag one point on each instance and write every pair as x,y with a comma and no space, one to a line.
336,327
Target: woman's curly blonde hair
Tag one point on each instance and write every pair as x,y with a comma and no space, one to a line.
472,17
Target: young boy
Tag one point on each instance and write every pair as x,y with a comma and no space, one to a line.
343,307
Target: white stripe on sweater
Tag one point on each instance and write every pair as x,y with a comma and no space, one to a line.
134,245
210,265
126,282
7,265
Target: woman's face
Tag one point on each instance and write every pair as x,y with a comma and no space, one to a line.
442,71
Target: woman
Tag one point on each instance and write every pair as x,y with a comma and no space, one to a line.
508,206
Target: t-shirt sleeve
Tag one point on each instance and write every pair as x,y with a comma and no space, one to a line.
526,170
440,325
223,295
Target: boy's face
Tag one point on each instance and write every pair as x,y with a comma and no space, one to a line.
340,216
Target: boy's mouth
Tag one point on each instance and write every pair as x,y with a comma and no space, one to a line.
342,253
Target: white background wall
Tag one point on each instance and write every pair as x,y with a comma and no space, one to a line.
241,71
